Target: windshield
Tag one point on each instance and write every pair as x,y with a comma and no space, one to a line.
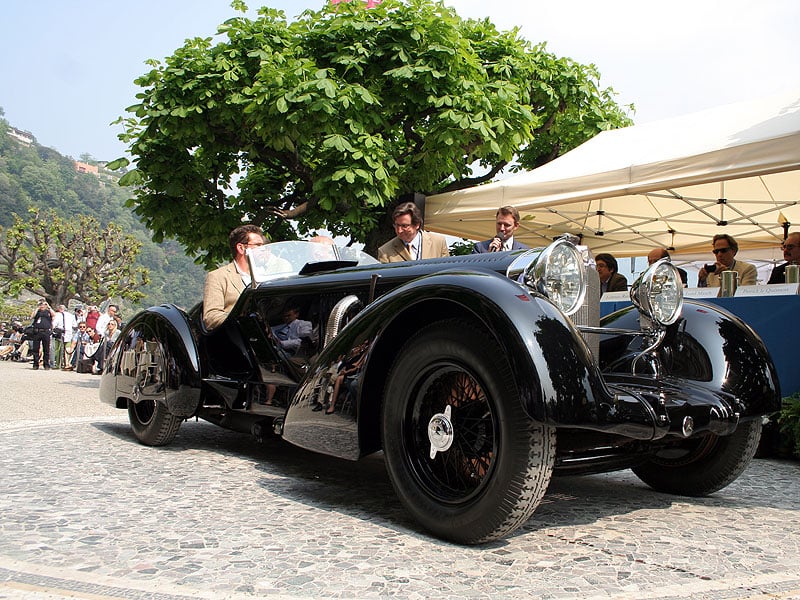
281,259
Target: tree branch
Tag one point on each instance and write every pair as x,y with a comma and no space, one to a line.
473,181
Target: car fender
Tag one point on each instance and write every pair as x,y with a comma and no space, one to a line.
553,368
157,345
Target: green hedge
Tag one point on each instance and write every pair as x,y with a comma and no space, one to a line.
781,435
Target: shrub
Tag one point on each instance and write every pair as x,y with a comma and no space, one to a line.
789,423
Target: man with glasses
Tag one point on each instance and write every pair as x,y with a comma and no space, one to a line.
725,249
791,254
224,285
411,242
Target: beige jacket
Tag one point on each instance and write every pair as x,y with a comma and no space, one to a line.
747,274
222,290
433,246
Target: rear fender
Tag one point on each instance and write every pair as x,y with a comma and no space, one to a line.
157,359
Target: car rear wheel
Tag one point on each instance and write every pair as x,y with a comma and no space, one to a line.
702,466
463,456
152,423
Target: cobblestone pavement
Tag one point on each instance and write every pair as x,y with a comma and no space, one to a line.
87,512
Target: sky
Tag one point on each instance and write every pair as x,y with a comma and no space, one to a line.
68,68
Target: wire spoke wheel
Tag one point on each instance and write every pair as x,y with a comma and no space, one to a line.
458,473
462,454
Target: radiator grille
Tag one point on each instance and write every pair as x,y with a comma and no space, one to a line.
589,313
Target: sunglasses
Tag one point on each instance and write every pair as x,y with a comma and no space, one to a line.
720,250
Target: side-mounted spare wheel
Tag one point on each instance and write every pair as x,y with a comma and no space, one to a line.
463,456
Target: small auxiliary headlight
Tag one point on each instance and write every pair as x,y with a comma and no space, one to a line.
559,274
658,293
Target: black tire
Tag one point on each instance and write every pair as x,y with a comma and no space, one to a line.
152,423
702,466
498,466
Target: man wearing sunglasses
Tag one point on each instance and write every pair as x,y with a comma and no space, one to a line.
725,249
791,254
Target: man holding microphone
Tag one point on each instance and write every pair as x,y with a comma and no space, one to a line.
506,222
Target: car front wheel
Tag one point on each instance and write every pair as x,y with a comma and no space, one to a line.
463,456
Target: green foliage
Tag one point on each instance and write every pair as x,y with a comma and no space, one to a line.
64,259
789,422
16,310
325,121
461,248
69,195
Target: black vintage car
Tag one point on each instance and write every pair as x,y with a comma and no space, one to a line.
478,376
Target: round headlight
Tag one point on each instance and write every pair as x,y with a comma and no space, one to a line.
559,274
658,292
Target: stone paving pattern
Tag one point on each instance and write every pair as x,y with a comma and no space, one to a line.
87,512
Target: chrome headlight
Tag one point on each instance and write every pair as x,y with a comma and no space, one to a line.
559,273
658,293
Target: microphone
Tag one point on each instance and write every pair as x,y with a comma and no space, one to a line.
500,238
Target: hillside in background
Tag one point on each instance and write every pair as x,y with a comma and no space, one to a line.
32,175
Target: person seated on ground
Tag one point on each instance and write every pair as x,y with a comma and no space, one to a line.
657,254
17,340
610,280
10,343
224,285
725,248
75,352
791,254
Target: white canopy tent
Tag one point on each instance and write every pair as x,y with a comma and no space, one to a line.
673,183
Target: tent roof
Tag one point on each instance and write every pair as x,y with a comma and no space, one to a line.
674,183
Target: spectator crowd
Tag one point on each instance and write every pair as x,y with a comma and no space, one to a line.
77,340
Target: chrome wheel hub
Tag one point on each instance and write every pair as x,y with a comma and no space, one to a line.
440,432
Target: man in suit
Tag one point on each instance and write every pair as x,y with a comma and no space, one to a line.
224,285
506,222
610,279
791,254
725,249
657,254
411,242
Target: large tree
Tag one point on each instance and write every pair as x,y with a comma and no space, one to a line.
62,260
327,120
